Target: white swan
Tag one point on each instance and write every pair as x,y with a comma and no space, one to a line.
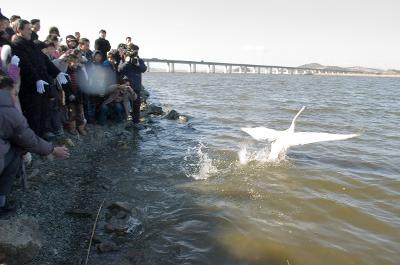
281,141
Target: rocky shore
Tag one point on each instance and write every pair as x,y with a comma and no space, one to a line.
56,213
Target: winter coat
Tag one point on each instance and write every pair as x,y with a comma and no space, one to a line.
134,73
103,46
73,87
34,66
10,69
15,131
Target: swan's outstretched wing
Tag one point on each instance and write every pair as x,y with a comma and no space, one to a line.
300,138
262,133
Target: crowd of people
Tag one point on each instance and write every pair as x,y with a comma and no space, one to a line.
48,89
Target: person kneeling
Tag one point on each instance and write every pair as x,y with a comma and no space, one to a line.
117,102
16,138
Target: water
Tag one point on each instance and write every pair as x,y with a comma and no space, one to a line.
328,203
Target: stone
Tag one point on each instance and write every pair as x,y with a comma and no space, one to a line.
183,119
78,213
69,143
19,240
34,173
172,115
106,247
155,110
121,206
109,228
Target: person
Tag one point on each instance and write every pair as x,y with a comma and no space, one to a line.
4,22
133,67
8,63
101,44
71,41
128,40
35,77
16,138
117,102
52,125
35,29
13,26
97,86
53,38
54,30
84,47
76,120
78,36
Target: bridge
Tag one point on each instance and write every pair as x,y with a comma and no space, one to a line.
230,68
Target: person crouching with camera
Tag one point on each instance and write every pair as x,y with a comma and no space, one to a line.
132,66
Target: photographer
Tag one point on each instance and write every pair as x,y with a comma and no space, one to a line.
133,67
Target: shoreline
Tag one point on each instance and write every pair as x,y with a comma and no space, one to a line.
153,70
63,196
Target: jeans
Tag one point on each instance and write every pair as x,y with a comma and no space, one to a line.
113,110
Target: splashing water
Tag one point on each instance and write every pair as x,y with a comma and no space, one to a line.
245,155
198,164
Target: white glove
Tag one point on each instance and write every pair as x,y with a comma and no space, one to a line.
40,86
71,98
15,60
61,78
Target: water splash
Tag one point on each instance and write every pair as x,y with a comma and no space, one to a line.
198,164
246,156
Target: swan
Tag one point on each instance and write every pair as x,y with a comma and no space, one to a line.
281,141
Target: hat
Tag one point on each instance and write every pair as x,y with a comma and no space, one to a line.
3,17
54,30
70,38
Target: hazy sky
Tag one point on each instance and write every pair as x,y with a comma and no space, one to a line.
272,32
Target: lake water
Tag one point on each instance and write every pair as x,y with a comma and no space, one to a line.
328,203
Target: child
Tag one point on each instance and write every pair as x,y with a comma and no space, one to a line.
73,96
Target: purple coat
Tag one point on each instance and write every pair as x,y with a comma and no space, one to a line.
14,130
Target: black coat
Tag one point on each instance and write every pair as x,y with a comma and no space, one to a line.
34,66
134,73
103,46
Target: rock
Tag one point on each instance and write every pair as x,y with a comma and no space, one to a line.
19,240
121,215
143,106
135,256
78,213
105,187
183,119
69,143
106,247
172,115
109,228
121,206
144,94
155,110
34,173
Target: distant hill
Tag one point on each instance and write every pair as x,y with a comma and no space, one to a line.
356,69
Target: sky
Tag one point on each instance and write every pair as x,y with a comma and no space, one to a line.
268,32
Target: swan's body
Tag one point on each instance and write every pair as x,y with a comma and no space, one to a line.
281,141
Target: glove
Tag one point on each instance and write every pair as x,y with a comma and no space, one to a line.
40,86
71,98
61,78
15,60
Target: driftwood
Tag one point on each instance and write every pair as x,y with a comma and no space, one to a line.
93,231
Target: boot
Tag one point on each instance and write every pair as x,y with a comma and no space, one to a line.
72,128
